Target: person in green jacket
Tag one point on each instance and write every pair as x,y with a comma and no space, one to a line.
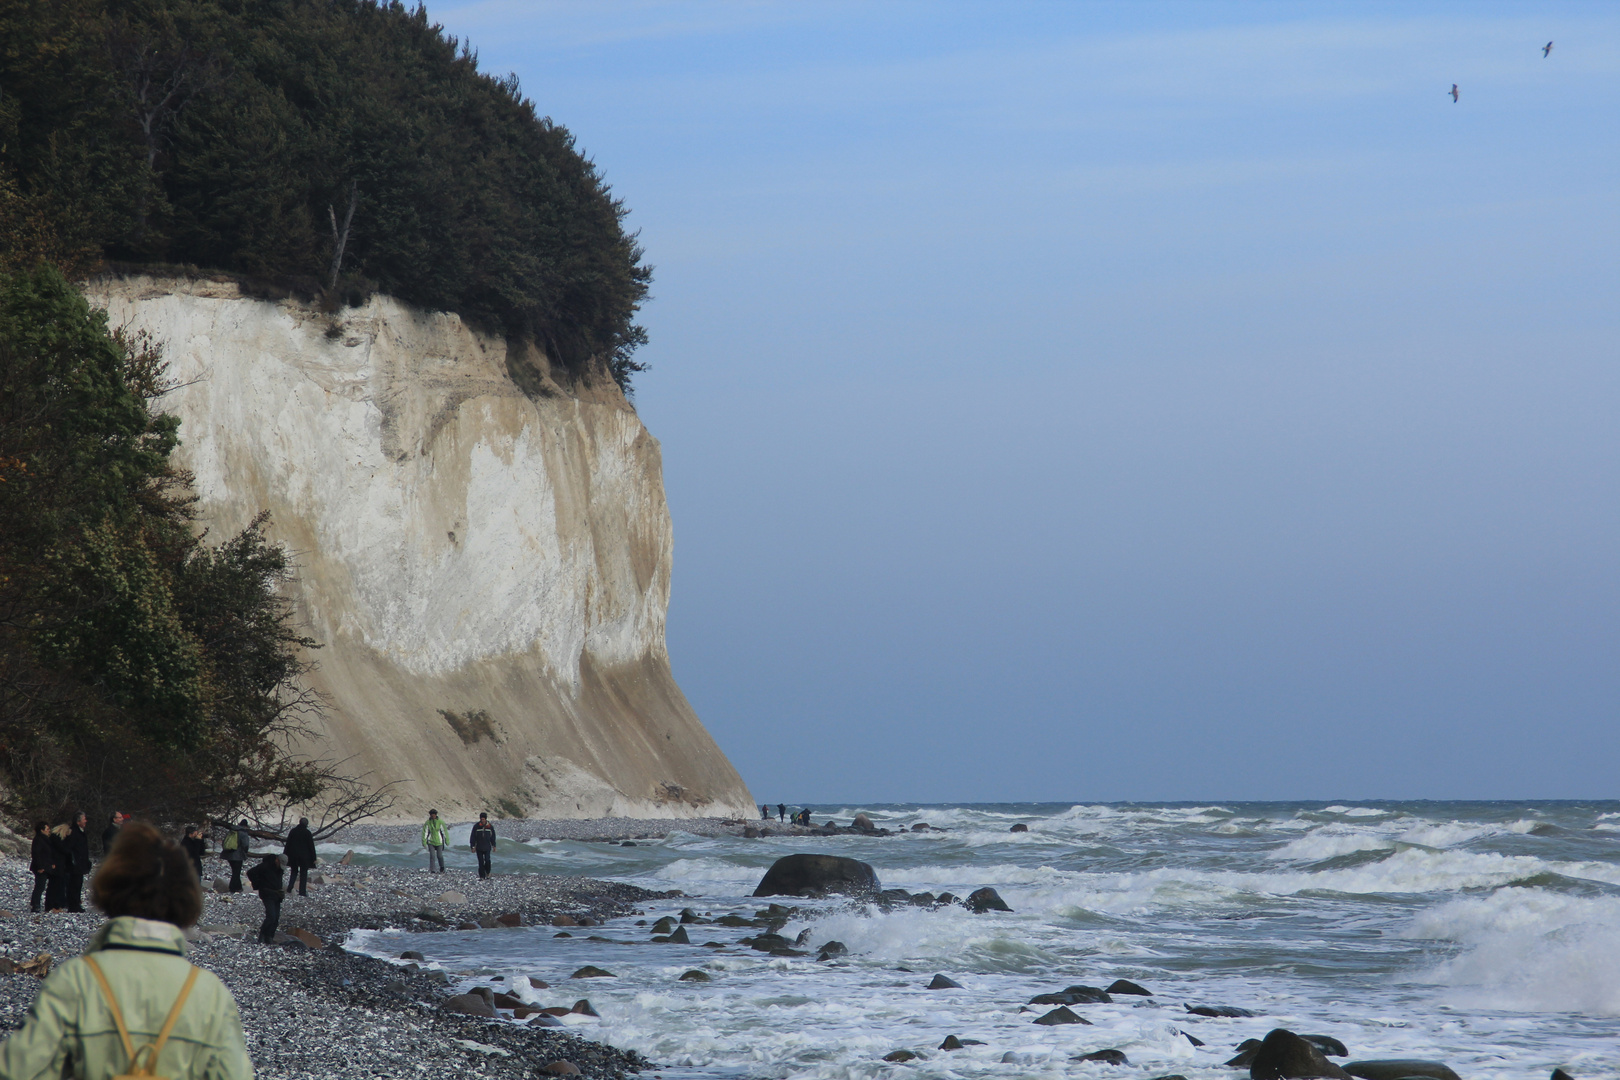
435,836
133,995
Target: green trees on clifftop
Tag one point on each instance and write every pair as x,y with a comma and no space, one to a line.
326,146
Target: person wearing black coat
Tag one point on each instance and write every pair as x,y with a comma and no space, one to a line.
42,861
483,842
77,843
195,847
56,885
266,878
300,852
110,833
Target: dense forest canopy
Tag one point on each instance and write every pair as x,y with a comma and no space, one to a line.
331,146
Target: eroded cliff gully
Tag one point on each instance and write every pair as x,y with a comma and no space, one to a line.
483,549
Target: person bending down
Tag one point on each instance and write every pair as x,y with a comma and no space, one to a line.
133,1001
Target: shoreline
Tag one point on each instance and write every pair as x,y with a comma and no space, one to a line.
321,1012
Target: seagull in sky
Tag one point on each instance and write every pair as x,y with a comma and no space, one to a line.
1546,50
1453,93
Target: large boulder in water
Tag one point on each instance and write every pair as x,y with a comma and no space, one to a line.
817,875
1396,1068
1285,1056
986,899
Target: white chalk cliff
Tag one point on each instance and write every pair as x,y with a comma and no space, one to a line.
482,546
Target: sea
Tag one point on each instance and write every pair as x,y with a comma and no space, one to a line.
1482,934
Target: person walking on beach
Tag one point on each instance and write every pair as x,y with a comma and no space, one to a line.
266,878
133,995
110,833
78,849
236,850
300,851
435,837
41,860
483,842
195,846
781,811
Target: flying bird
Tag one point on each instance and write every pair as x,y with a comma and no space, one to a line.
1453,93
1546,50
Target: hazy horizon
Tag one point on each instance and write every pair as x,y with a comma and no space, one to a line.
1108,402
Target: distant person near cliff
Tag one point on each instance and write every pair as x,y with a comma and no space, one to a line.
435,837
110,833
42,861
195,846
78,849
300,852
235,851
266,878
483,843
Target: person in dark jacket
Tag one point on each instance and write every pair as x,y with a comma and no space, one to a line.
300,852
483,842
266,878
237,842
110,833
78,847
56,886
195,847
42,861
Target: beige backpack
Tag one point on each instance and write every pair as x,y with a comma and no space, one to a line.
142,1071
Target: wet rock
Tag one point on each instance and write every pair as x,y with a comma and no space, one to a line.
1246,1052
1221,1010
437,976
582,1007
562,1068
628,843
1560,1074
507,1001
1327,1044
1062,1015
486,922
591,972
564,920
1108,1057
734,920
665,925
1285,1056
1171,1076
815,875
894,896
562,933
509,919
922,826
468,926
750,833
924,899
1074,995
539,984
691,917
412,954
942,983
986,899
899,1055
1020,827
766,942
1396,1068
863,823
951,1043
677,938
832,949
1192,1039
471,1004
945,898
695,976
1125,986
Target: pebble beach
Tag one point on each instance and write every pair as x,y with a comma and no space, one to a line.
320,1011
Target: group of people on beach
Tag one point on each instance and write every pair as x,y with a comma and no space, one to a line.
60,859
436,837
800,817
132,1004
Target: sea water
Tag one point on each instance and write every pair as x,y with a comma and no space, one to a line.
1486,935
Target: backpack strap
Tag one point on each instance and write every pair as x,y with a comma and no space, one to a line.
112,1003
123,1032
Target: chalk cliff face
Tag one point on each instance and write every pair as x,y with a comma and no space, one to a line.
483,548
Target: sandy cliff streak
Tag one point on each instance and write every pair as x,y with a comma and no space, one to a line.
483,546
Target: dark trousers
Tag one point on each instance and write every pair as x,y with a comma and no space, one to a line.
272,917
41,882
483,864
74,891
236,874
56,892
198,864
299,874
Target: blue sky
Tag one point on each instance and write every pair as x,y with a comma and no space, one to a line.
1124,401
